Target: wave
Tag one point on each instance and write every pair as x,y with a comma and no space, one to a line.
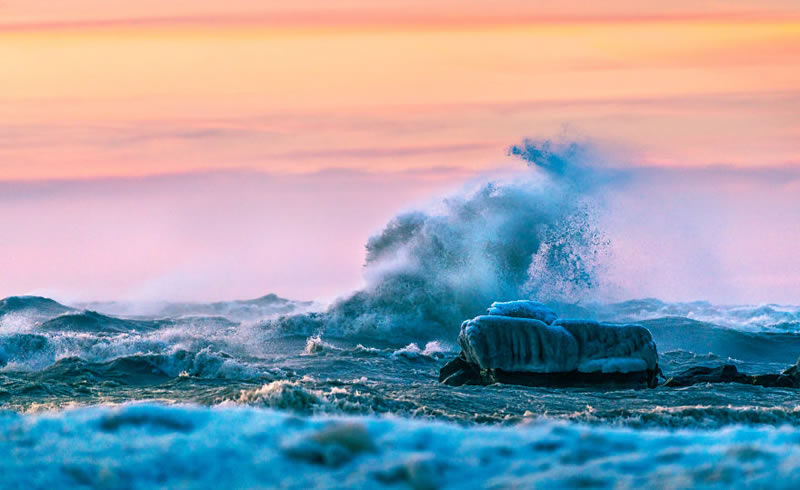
308,395
96,338
700,337
531,235
751,318
27,313
245,447
96,323
691,417
37,314
32,304
19,313
286,395
237,310
133,369
433,350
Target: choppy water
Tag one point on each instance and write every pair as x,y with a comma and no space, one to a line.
56,361
141,446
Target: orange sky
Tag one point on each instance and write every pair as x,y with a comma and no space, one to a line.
152,87
349,111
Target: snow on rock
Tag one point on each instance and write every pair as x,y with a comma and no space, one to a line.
523,309
526,345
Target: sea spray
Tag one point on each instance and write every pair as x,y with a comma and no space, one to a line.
502,240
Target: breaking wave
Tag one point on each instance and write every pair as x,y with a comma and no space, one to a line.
432,350
199,346
518,237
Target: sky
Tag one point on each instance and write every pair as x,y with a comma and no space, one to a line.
202,150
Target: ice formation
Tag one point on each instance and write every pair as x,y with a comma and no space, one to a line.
525,345
523,309
523,342
518,344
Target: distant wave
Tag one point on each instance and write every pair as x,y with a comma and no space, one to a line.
22,310
95,323
41,333
700,337
753,318
238,310
66,359
432,350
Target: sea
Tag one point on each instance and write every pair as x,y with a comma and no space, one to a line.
283,393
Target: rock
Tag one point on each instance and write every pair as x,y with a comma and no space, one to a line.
635,379
728,373
517,344
703,374
522,342
459,372
523,345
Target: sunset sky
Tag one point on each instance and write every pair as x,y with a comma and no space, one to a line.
151,148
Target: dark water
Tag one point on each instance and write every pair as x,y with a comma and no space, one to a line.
53,356
56,359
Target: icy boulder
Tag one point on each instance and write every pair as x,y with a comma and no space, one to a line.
507,346
523,309
523,345
518,344
612,348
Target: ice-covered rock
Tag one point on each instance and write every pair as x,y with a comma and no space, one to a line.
612,348
518,344
522,342
523,309
523,345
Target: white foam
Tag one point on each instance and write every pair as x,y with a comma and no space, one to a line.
525,345
285,395
412,351
193,345
315,345
146,446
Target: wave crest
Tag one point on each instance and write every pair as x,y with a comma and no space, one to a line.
507,239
